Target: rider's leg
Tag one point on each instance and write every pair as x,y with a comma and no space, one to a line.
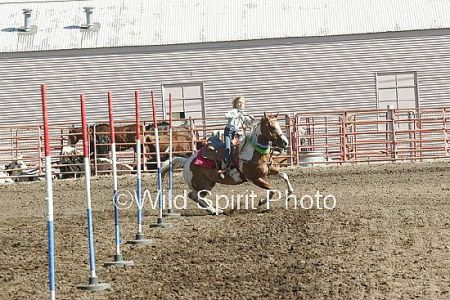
229,134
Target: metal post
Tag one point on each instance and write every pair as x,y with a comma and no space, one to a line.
298,146
344,137
12,143
444,121
191,125
170,212
160,221
326,138
16,139
355,139
391,132
144,151
94,146
410,133
288,122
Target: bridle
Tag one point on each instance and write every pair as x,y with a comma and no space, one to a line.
269,132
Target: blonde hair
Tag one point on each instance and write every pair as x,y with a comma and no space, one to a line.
235,100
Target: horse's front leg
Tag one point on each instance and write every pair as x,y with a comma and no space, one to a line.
264,185
275,171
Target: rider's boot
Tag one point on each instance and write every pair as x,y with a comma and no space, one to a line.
223,170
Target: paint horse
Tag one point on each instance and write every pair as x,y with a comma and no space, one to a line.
251,163
182,144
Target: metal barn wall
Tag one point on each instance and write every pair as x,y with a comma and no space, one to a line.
287,75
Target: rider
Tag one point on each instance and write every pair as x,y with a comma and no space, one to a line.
237,120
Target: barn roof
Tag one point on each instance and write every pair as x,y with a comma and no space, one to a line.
166,22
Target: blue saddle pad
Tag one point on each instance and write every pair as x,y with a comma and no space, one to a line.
216,142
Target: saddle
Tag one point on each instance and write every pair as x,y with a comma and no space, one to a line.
215,149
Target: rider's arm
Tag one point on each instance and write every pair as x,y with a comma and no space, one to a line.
232,114
247,119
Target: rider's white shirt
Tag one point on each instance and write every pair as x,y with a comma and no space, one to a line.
237,119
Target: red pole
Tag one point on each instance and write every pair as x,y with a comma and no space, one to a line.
45,117
84,127
111,119
170,111
154,111
138,117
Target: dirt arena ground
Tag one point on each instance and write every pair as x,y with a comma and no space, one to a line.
387,238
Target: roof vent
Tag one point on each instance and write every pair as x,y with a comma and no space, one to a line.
27,20
89,23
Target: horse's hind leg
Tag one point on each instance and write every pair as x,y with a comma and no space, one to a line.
194,195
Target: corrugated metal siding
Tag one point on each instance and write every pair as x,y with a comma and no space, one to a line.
168,22
285,78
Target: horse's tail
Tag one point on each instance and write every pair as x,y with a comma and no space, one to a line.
176,163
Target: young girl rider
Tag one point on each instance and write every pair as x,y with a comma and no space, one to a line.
237,121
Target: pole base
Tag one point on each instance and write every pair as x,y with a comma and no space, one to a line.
171,213
94,286
160,224
140,240
118,262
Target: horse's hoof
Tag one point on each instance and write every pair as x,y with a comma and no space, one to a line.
262,202
215,211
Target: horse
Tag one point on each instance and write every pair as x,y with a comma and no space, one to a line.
76,134
181,144
125,137
251,160
185,140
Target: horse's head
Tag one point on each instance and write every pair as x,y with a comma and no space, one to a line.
271,130
102,138
75,134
